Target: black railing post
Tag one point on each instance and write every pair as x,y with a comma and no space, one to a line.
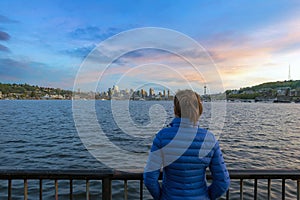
25,189
269,189
255,189
41,189
125,190
141,189
87,186
283,189
106,188
241,189
298,189
9,189
71,189
56,189
227,195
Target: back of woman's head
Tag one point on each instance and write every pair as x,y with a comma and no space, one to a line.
187,104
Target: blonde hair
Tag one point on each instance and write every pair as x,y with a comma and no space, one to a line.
187,104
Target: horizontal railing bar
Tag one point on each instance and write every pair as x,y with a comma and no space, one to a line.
119,175
55,174
234,174
265,174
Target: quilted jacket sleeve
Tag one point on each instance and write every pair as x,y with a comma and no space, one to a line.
220,175
152,169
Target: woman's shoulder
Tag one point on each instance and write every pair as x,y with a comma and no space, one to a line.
167,131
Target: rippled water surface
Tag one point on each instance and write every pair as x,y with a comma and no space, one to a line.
42,134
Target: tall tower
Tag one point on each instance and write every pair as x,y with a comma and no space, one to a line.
205,89
151,92
289,78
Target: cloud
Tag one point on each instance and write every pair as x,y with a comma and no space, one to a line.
4,19
4,36
12,68
26,71
246,57
93,33
80,52
4,48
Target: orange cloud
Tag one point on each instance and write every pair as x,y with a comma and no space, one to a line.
248,62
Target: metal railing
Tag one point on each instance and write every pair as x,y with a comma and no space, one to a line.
107,176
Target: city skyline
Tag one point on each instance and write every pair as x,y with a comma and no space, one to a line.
45,43
116,92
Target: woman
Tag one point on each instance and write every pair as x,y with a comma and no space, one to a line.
185,151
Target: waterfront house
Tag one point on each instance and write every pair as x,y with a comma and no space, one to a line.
283,91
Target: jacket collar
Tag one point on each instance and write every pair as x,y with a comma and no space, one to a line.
183,122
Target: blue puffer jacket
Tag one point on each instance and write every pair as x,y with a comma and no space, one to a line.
185,151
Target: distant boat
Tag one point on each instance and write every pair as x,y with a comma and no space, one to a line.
283,99
297,101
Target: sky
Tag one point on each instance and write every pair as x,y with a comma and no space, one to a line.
47,43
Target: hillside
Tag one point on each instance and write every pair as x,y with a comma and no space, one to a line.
26,91
274,85
267,91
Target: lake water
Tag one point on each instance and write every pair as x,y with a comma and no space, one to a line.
42,135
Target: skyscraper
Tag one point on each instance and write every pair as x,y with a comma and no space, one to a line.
151,92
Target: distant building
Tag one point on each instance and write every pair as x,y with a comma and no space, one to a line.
151,92
115,88
248,92
284,91
110,92
131,91
143,93
0,95
234,92
115,91
295,92
126,91
46,96
56,96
